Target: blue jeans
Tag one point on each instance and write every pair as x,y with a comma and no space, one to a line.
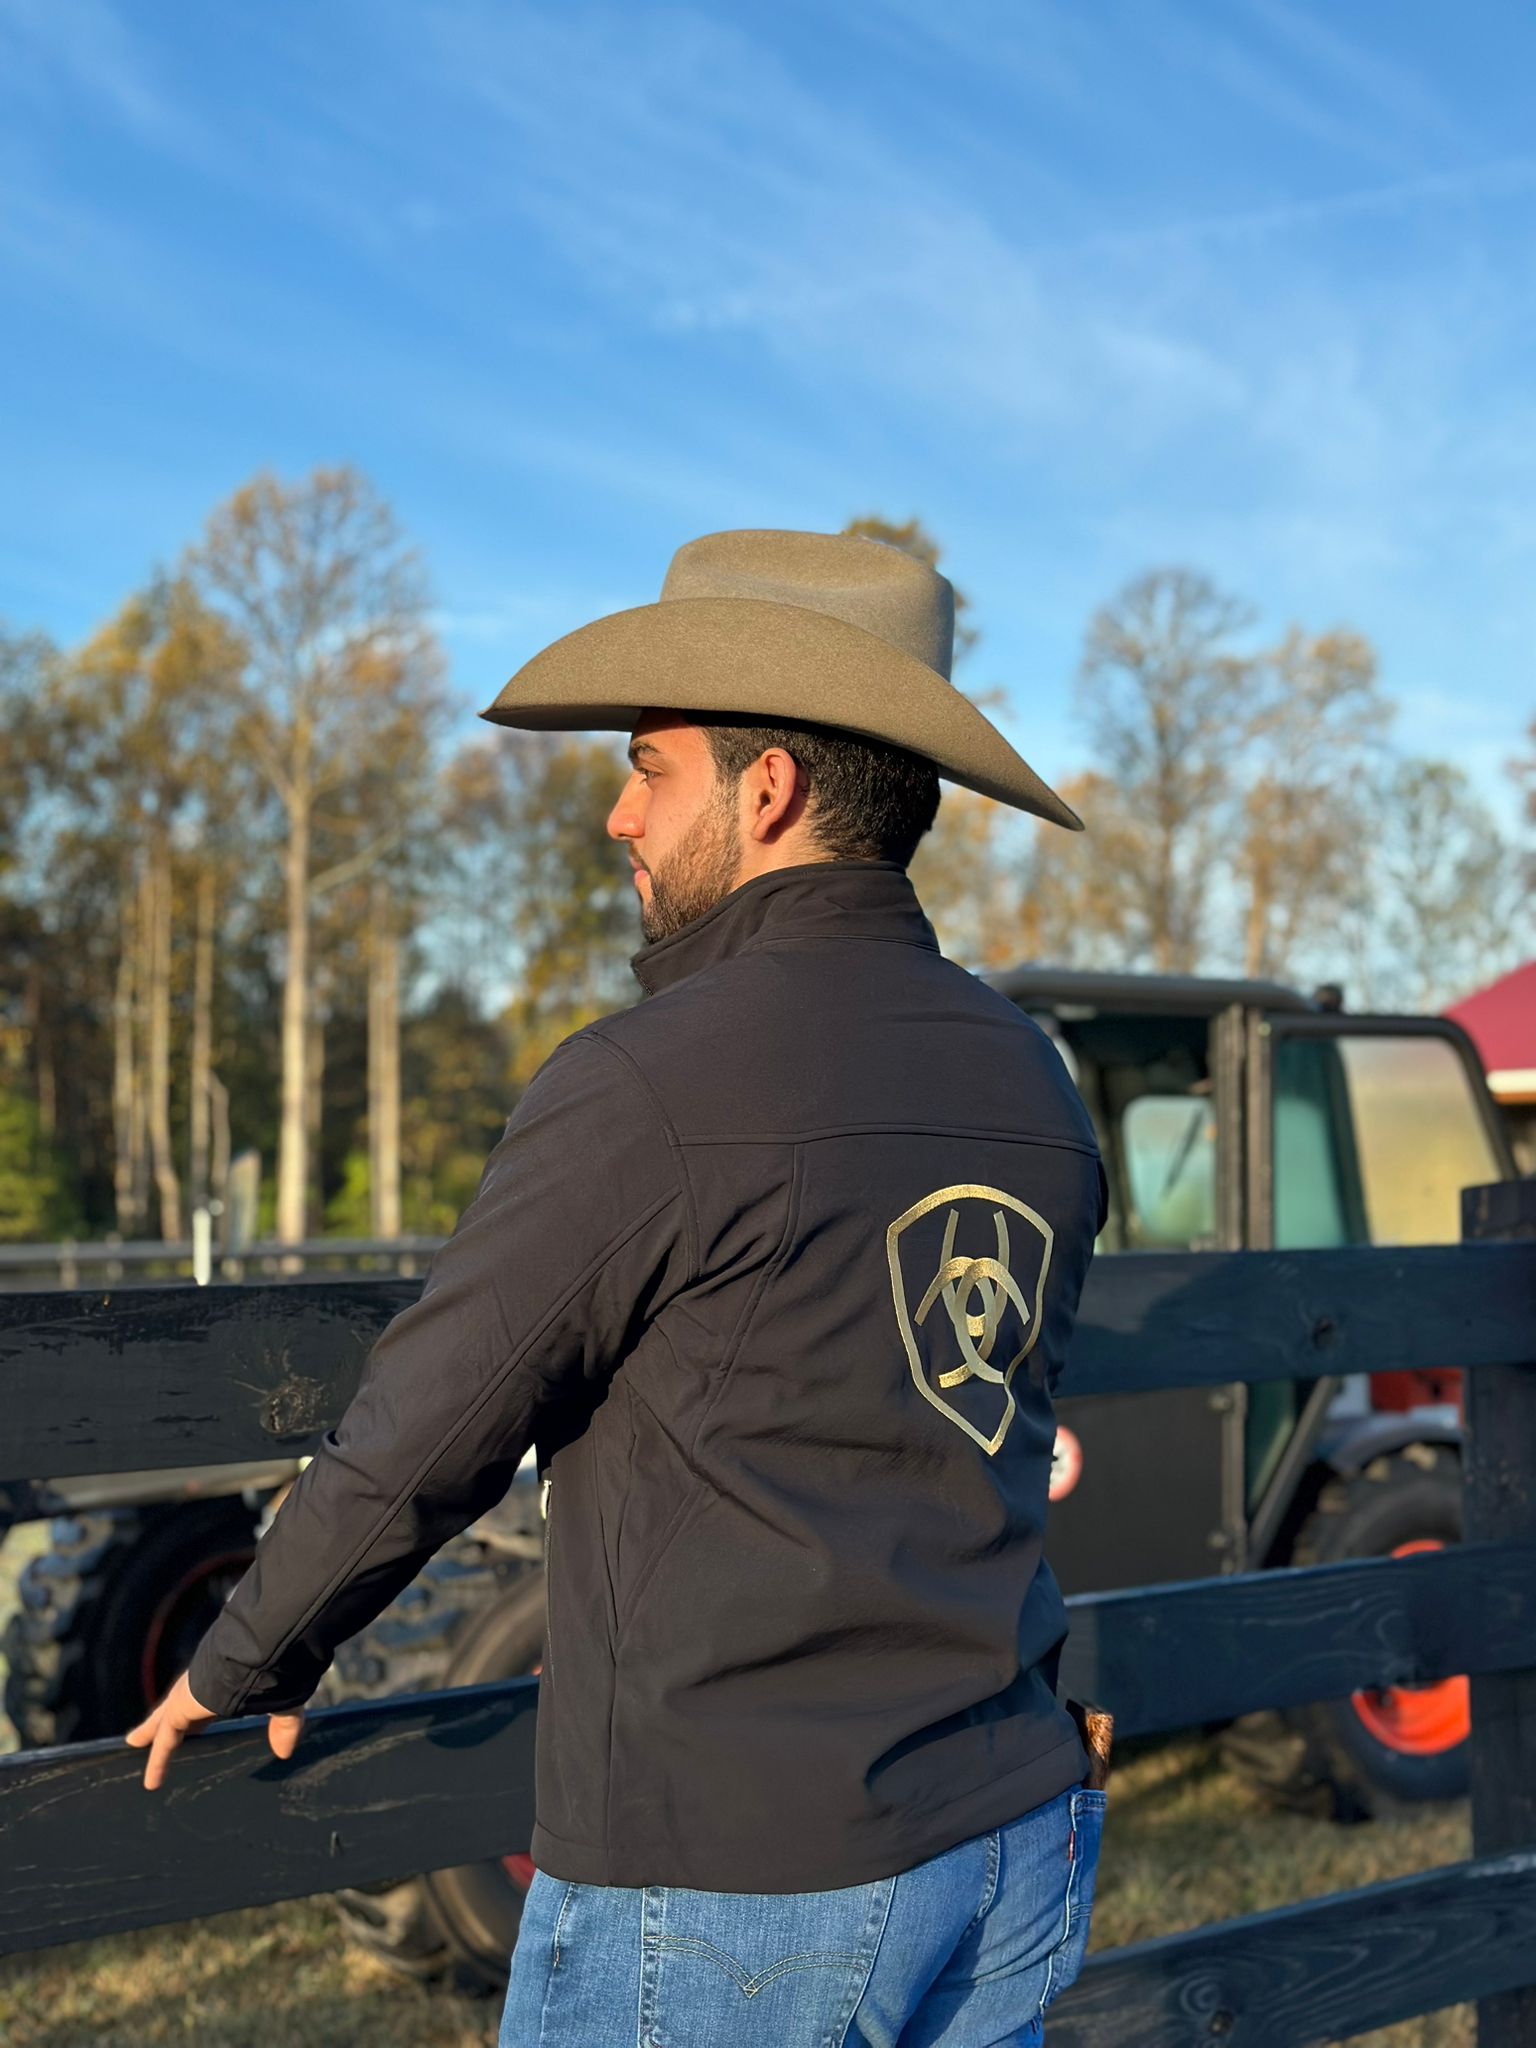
965,1951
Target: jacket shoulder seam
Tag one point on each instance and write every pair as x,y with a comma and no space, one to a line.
674,1142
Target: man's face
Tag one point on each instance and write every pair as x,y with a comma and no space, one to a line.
681,828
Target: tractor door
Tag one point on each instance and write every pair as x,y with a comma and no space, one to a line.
1361,1130
1142,1485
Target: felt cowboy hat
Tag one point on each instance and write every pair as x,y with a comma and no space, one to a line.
828,627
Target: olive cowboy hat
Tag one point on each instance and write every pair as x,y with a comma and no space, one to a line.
827,627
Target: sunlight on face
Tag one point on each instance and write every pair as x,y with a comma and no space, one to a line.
681,828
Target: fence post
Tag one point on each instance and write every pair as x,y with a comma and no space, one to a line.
1500,1480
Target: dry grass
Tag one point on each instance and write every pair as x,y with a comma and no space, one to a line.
1186,1842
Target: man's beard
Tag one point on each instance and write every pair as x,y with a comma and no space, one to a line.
694,876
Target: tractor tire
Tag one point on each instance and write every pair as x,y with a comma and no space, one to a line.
112,1611
1375,1755
471,1615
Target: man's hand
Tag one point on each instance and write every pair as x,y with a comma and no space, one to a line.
180,1713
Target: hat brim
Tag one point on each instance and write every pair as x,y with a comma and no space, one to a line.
736,654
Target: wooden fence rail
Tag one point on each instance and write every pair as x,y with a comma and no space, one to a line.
96,1382
128,1378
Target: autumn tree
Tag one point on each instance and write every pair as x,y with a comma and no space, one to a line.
1314,730
545,892
339,694
136,755
1168,700
1449,907
1077,909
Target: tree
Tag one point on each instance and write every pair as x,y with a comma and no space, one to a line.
1451,910
339,698
544,890
1316,724
138,720
1169,702
1077,908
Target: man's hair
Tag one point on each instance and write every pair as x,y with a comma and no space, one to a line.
869,800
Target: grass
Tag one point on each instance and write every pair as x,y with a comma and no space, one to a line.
1186,1842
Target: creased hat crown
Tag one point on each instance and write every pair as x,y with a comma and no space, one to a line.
879,588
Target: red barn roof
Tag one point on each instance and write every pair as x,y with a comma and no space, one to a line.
1501,1020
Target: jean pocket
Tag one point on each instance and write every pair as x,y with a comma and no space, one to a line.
1084,1835
757,1970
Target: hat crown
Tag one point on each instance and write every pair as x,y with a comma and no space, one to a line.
867,583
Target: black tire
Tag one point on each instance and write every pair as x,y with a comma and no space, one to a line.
112,1611
1329,1758
473,1614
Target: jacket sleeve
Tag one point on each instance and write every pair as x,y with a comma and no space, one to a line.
577,1235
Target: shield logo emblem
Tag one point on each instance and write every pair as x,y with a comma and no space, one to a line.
968,1267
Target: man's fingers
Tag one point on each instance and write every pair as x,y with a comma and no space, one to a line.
283,1732
145,1732
167,1740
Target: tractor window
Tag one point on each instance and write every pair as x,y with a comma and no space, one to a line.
1375,1136
1170,1164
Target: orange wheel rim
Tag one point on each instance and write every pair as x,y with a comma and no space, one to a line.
1418,1720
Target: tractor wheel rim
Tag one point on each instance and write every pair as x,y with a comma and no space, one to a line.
152,1680
1418,1720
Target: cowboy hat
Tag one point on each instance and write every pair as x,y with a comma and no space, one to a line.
828,627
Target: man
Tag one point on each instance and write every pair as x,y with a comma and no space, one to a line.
777,1269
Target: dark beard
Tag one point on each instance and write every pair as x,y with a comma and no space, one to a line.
692,879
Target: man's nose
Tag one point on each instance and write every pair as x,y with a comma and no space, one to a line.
624,818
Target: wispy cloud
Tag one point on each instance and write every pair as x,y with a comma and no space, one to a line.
52,48
1366,74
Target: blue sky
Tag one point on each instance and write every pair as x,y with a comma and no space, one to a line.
1089,285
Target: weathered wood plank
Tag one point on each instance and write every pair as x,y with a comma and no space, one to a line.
137,1377
1179,1656
1500,1477
1323,1971
375,1791
387,1788
128,1379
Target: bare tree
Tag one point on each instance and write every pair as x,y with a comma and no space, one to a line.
340,692
1317,724
1169,702
1450,904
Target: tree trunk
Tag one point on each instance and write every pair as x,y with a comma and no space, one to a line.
314,1094
1256,947
167,1184
123,1176
42,1055
293,1132
383,1067
202,1037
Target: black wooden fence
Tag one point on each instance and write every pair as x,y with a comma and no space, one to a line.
94,1382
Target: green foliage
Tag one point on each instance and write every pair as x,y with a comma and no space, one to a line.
34,1202
349,1213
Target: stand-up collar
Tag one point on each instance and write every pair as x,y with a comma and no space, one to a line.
828,899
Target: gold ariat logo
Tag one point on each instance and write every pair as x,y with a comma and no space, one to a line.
951,1349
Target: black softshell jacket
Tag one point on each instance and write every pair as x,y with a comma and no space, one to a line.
776,1270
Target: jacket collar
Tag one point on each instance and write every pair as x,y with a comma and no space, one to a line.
827,899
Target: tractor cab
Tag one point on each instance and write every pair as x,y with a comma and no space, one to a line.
1243,1115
